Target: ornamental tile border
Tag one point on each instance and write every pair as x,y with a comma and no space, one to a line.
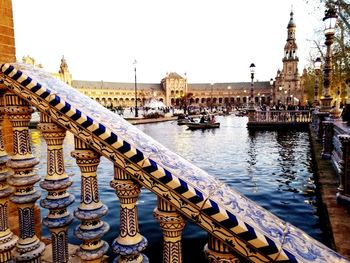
249,228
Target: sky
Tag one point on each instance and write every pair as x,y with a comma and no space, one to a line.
209,40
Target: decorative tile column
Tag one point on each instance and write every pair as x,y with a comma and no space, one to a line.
91,209
327,141
7,238
56,184
343,195
321,116
28,248
130,243
217,252
172,224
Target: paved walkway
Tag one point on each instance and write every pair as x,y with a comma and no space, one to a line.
335,217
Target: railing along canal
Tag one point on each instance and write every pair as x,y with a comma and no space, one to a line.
335,137
278,118
238,229
291,116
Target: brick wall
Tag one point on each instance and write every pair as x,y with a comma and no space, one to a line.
7,38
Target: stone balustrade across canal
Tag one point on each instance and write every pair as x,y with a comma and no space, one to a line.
272,119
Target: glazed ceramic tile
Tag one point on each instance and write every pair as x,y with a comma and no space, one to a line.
300,247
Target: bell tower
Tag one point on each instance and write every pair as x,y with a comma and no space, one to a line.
7,38
290,75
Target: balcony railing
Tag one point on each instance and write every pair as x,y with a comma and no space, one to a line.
237,227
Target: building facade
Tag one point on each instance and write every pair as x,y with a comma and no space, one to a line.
175,90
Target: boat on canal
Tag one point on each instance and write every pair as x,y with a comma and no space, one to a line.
184,119
203,125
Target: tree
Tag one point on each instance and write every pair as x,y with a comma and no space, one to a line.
341,48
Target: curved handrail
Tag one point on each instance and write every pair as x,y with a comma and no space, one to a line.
246,227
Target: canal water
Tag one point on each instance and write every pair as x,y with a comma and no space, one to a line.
273,168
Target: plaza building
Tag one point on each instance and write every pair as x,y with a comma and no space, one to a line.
174,90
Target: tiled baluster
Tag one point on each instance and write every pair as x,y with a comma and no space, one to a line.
217,252
321,117
172,224
343,194
28,248
327,142
7,238
91,209
130,242
56,183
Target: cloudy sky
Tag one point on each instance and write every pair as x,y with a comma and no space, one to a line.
210,40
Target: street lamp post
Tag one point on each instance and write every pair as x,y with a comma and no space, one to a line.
252,71
136,110
330,21
251,109
211,97
185,99
318,64
229,98
271,92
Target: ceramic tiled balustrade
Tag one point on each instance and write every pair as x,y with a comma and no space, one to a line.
238,224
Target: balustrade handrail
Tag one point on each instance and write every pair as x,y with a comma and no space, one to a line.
285,110
224,213
281,116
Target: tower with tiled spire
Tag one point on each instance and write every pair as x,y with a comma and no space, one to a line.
288,80
290,60
7,38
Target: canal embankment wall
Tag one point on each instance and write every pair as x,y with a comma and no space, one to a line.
334,217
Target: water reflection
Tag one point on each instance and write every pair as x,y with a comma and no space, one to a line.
252,160
273,168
